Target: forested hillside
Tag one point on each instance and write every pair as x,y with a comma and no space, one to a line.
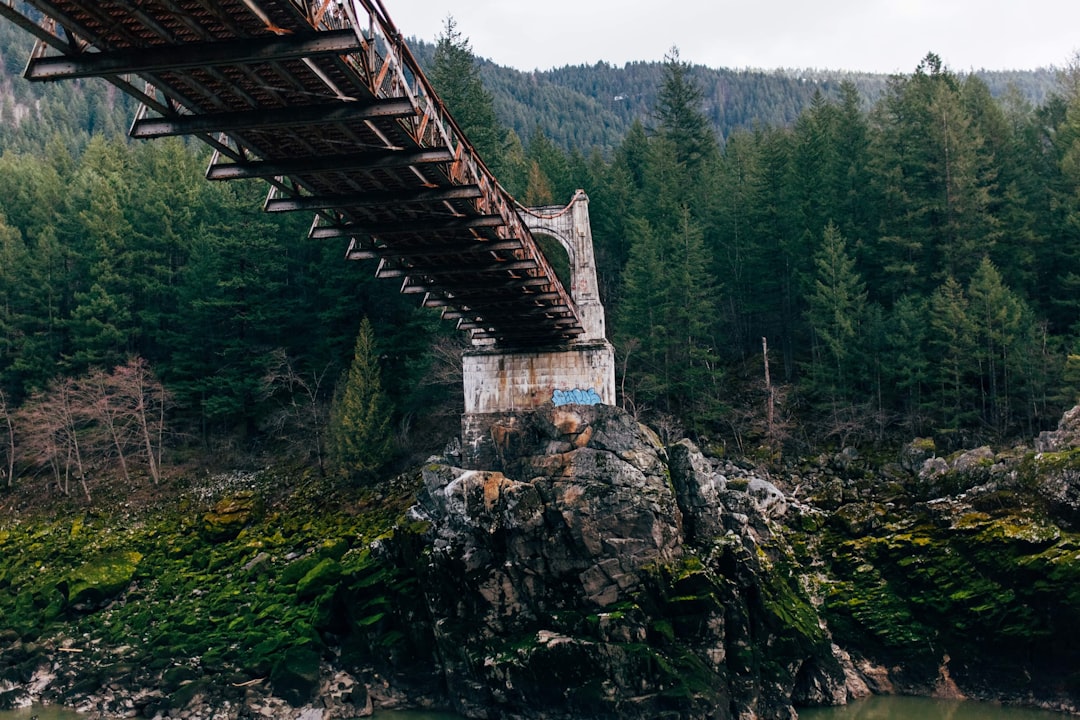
904,248
593,106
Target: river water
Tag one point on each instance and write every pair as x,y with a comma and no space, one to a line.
877,708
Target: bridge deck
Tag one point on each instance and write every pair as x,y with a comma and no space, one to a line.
323,100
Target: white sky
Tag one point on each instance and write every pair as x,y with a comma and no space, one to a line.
869,35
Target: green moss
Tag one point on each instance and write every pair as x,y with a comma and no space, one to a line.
102,577
924,444
663,629
325,574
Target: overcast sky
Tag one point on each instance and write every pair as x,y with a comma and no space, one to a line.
870,35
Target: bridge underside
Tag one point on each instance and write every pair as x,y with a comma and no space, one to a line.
322,100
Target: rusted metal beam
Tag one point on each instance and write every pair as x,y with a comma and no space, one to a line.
335,163
373,198
433,251
484,302
407,227
160,59
268,118
513,284
488,326
535,312
430,271
527,332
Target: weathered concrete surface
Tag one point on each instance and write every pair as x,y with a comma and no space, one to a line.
570,226
498,381
583,372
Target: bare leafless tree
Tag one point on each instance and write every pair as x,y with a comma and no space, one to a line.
142,403
98,421
95,394
8,420
54,423
303,409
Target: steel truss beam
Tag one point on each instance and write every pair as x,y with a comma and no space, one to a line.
265,119
430,271
482,303
339,163
158,59
510,284
426,225
373,198
433,251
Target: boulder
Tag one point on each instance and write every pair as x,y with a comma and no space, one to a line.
101,578
231,515
296,674
1066,436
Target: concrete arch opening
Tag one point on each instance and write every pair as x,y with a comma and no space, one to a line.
558,255
583,371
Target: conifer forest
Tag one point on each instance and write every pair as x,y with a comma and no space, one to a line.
832,261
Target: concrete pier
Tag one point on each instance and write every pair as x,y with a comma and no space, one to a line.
581,373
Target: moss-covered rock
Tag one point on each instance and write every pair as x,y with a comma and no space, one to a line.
295,675
230,515
101,578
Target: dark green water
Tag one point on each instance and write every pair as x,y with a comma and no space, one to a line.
905,708
46,712
878,708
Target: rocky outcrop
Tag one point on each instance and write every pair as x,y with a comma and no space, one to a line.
589,576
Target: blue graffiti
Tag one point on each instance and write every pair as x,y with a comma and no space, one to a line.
576,396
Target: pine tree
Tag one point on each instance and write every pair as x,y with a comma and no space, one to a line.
238,306
681,120
952,342
666,317
836,309
360,439
906,365
457,82
935,181
102,322
1003,351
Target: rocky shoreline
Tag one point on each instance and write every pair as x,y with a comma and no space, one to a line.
583,571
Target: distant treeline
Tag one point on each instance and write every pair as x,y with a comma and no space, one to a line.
593,106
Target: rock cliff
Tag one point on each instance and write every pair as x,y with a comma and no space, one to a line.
590,575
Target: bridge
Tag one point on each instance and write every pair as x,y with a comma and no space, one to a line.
323,100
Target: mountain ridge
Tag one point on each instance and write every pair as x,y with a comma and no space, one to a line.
581,107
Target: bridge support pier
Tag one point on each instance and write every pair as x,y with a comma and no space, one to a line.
499,383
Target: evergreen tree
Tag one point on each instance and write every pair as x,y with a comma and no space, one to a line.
732,242
14,263
456,80
836,310
102,322
1003,344
906,365
360,439
952,342
664,323
935,180
680,117
549,171
781,250
238,309
40,314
